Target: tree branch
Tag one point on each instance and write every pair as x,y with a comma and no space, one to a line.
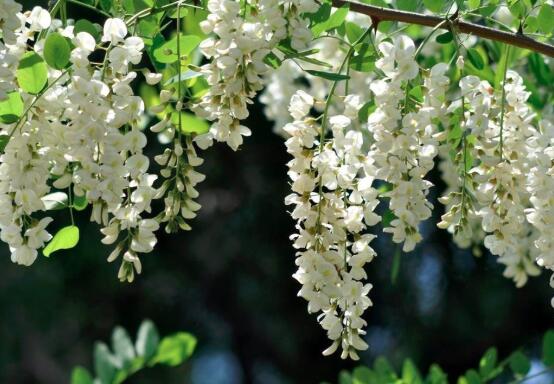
387,14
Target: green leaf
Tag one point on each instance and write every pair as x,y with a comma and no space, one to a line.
436,375
333,21
383,368
166,53
345,378
445,38
32,73
364,60
190,123
545,18
519,363
548,348
410,373
55,201
65,238
365,111
4,139
472,4
328,75
80,375
105,365
80,202
123,346
407,5
475,58
353,31
363,375
434,5
472,377
321,15
175,349
177,14
106,5
11,109
84,25
272,60
488,362
147,340
56,51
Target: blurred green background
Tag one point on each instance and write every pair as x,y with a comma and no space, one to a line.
229,283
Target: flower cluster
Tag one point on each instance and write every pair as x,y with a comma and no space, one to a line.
404,137
237,55
333,199
83,134
497,127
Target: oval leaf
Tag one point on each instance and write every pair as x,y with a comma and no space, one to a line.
445,38
147,340
11,108
175,349
166,53
56,51
66,238
80,375
32,73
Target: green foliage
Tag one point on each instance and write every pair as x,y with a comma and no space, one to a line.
545,18
125,358
11,109
84,25
323,20
190,123
65,238
328,75
56,51
166,52
490,370
475,58
32,73
434,5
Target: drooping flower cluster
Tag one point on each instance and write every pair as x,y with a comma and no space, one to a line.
499,131
82,134
404,138
333,201
237,55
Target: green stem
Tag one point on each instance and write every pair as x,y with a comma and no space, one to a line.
502,104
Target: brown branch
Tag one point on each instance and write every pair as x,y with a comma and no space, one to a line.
387,14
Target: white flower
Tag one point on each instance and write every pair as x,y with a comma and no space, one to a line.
39,19
115,30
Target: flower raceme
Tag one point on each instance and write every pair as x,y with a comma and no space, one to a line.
76,131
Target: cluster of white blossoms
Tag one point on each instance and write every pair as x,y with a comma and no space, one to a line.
333,201
405,142
9,23
82,138
244,36
498,132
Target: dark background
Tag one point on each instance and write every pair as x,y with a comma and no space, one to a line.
228,282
